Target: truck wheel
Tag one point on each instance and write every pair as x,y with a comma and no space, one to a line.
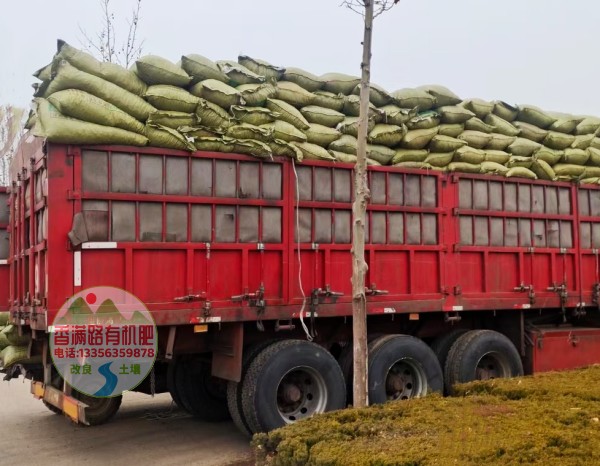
99,410
234,389
172,385
442,344
402,367
481,355
288,381
201,394
52,408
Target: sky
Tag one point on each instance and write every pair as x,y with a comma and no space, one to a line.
539,52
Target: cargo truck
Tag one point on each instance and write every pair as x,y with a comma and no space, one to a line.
245,266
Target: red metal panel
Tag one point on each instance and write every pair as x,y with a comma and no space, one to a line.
4,266
559,349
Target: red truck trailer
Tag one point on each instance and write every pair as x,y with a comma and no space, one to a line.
4,275
245,266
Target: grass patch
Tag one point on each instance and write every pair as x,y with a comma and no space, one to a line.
548,419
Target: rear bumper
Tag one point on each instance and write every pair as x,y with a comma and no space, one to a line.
71,407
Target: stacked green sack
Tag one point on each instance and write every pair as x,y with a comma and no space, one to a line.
252,107
13,347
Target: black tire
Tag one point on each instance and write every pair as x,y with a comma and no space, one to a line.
481,355
402,367
201,394
172,385
442,344
99,410
234,389
288,381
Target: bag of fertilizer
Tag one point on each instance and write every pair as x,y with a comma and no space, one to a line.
469,155
582,142
12,355
3,341
568,170
247,131
535,116
165,97
519,161
348,158
346,144
239,74
531,132
172,120
282,148
542,170
304,79
11,333
210,144
87,107
475,139
67,76
157,70
452,130
197,132
411,98
339,83
252,147
55,127
381,154
322,116
288,113
201,68
110,72
443,96
329,100
387,135
550,156
493,168
595,180
414,165
521,172
218,93
261,67
321,135
558,141
589,125
253,115
255,95
464,167
313,152
496,156
575,156
565,123
475,124
501,126
161,136
212,115
424,120
410,155
594,158
438,159
4,316
523,147
378,96
453,114
352,108
500,141
595,143
479,107
293,94
445,144
591,172
418,138
394,115
285,131
505,111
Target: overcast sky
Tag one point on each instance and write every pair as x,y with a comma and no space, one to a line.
540,52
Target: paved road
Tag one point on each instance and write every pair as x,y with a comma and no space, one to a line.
146,431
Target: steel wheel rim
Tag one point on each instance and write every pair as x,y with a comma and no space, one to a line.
405,379
492,365
301,393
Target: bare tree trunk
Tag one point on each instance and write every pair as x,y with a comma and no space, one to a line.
359,209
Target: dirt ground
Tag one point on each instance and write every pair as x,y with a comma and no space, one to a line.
146,431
